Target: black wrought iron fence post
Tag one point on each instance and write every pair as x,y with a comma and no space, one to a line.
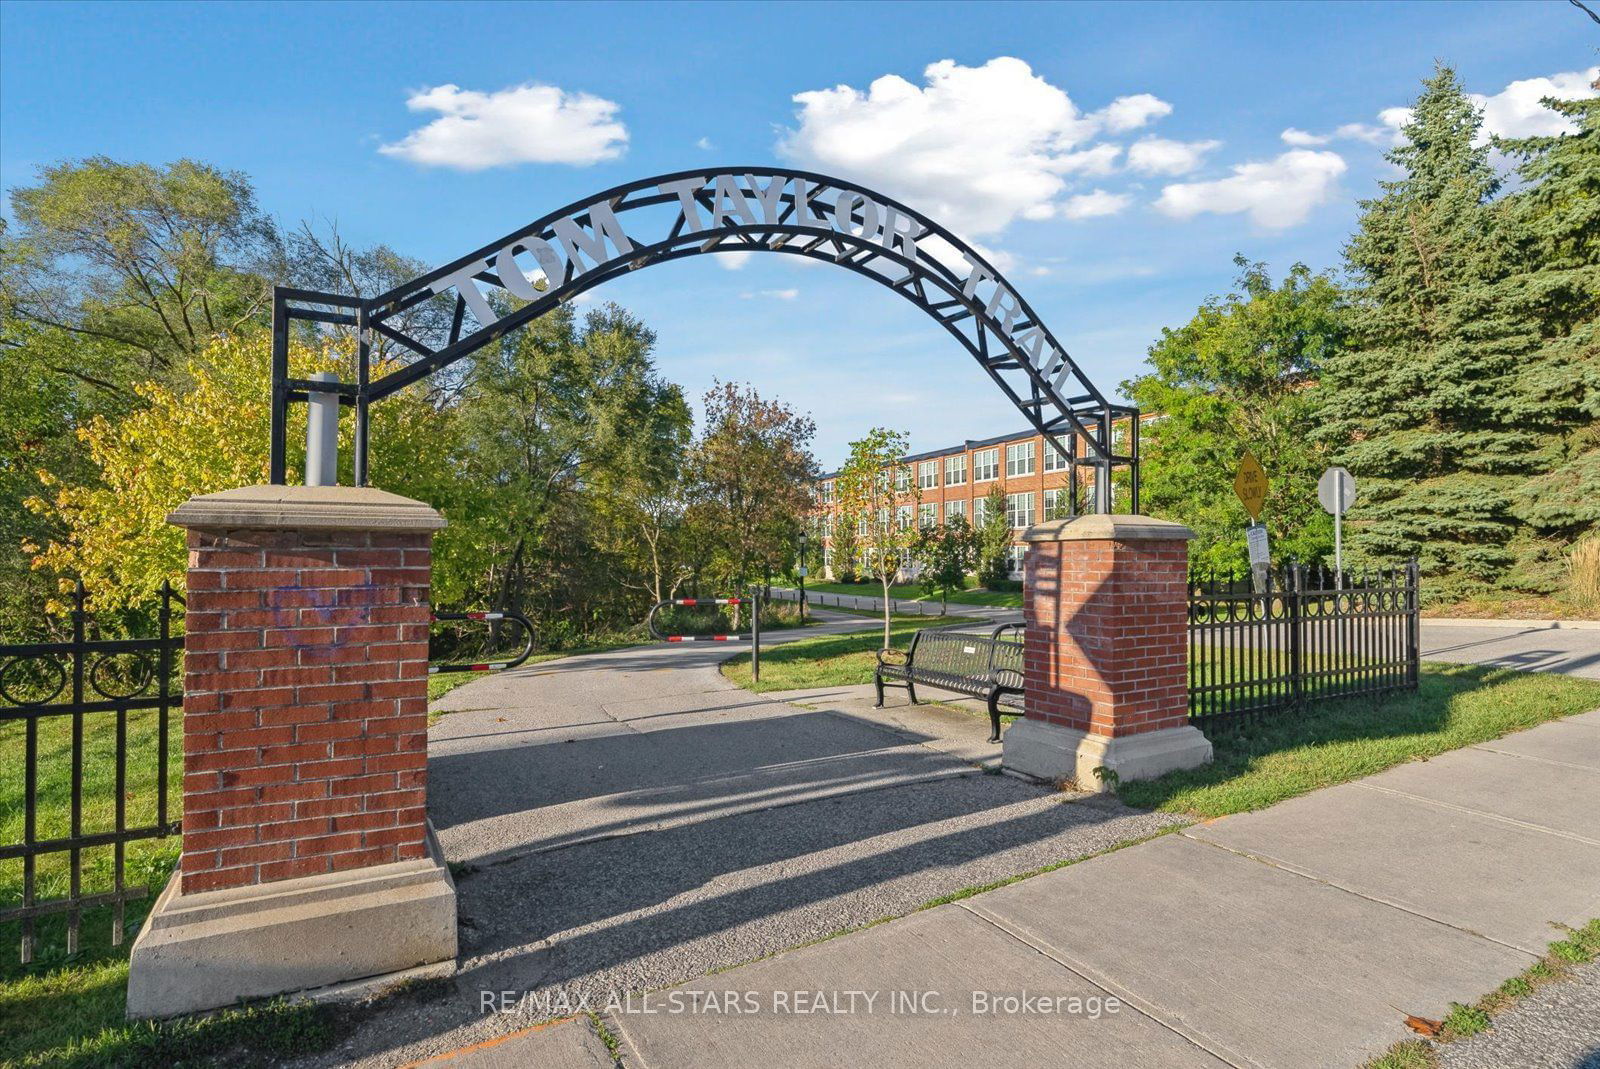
75,915
1413,621
1295,610
164,693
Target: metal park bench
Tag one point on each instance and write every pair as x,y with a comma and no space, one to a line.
982,666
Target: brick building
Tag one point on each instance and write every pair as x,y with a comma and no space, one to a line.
956,480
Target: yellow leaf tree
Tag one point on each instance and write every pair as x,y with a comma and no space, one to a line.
209,435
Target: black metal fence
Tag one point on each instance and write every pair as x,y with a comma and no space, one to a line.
71,713
1258,646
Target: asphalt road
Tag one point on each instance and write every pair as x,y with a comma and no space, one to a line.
1568,651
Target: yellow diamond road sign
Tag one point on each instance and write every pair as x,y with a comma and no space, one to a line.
1251,485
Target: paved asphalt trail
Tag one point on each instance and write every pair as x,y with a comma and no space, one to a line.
626,820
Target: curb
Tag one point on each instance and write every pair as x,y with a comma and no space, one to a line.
1521,625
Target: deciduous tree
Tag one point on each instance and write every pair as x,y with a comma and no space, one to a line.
947,552
878,495
1241,375
752,471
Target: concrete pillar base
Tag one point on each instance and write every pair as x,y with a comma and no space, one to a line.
209,949
1053,752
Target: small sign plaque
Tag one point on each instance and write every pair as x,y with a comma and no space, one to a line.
1256,538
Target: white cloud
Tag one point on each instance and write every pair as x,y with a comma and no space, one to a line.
974,147
1132,112
1515,111
522,124
1276,194
1096,161
1095,204
704,144
779,295
1157,155
733,259
1385,134
1302,139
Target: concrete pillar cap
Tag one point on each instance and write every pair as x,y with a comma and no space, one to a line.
1114,527
307,508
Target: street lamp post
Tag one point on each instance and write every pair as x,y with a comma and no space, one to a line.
802,577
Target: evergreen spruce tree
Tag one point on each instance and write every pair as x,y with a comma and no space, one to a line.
1556,280
1426,406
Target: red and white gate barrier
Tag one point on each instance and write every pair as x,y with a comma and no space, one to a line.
488,666
754,637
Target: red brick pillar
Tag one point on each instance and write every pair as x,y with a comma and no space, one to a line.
305,746
1106,652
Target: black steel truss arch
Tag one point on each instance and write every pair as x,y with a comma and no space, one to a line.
689,213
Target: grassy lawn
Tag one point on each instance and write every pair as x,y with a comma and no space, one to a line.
828,660
1510,607
1007,599
1337,741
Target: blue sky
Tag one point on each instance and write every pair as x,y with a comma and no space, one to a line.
1113,157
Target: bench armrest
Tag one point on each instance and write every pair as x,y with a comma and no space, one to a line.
891,656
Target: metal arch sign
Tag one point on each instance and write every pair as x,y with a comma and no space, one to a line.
655,220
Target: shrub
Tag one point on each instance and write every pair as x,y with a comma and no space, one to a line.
1583,582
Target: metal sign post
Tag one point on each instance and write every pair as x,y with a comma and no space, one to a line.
1336,490
755,637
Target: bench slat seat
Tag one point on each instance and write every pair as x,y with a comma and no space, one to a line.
982,666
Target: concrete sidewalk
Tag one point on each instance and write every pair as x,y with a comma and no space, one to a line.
1300,935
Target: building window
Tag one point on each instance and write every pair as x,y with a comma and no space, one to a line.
928,474
1054,461
827,493
1019,459
985,465
902,516
1019,510
953,509
1014,557
980,511
955,470
1055,504
902,478
927,515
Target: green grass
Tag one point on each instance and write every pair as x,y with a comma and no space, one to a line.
72,1016
1578,947
828,660
1337,741
1008,599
